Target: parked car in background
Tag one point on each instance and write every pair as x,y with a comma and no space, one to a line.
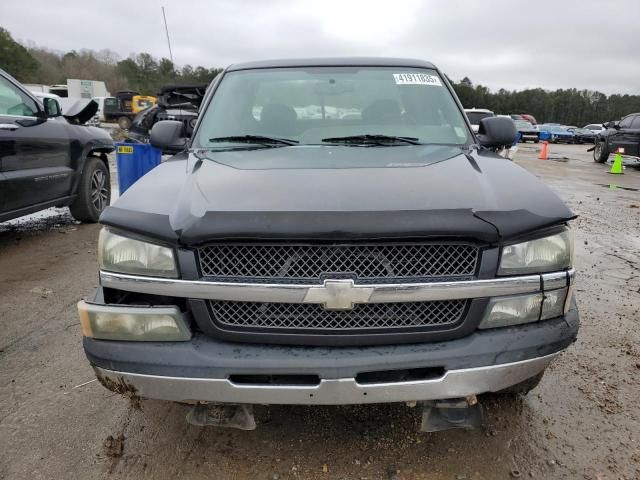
527,131
255,268
530,118
582,135
595,127
475,115
624,135
48,157
555,134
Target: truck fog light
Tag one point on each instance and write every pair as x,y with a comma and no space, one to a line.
553,304
512,310
145,324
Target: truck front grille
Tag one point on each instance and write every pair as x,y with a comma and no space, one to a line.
365,263
438,315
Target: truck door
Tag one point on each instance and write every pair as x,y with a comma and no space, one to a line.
35,165
633,137
623,137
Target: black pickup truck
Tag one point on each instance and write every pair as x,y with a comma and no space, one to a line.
333,232
623,136
48,158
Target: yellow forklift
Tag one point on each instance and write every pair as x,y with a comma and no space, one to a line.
142,102
127,105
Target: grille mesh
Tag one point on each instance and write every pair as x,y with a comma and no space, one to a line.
442,313
368,262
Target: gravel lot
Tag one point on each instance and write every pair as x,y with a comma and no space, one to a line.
582,422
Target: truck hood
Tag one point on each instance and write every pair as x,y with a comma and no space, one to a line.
360,193
78,110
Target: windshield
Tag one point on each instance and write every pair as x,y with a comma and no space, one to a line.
320,105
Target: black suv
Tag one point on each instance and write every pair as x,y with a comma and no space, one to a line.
50,160
333,232
624,134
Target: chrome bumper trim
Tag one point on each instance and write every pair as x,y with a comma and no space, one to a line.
378,293
339,391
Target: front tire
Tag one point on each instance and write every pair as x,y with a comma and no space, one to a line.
600,152
94,192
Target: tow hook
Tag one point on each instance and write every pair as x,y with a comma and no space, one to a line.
439,415
238,416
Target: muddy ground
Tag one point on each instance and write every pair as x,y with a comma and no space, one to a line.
583,421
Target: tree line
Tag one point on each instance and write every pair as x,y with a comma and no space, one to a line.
565,106
140,72
146,74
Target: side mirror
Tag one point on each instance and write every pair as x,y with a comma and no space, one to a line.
611,124
51,107
168,136
495,132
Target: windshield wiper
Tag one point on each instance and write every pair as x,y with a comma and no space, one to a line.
255,139
376,139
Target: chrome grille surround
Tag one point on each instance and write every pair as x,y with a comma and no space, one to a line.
209,299
311,263
439,315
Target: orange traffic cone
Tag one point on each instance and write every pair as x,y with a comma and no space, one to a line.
543,152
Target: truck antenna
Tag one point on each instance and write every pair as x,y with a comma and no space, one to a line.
166,29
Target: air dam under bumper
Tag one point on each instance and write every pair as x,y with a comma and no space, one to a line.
339,391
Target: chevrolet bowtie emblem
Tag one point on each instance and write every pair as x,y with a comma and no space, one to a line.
338,294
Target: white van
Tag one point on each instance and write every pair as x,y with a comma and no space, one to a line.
101,102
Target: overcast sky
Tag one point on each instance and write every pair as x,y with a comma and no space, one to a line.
592,44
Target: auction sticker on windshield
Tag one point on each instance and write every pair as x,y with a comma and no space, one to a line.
416,79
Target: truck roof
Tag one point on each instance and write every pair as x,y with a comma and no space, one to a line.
332,62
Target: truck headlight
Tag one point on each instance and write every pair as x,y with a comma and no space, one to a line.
545,254
132,323
117,253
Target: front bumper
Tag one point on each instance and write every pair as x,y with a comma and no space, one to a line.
204,368
209,368
338,391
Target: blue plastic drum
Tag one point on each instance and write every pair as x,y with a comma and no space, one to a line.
134,160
